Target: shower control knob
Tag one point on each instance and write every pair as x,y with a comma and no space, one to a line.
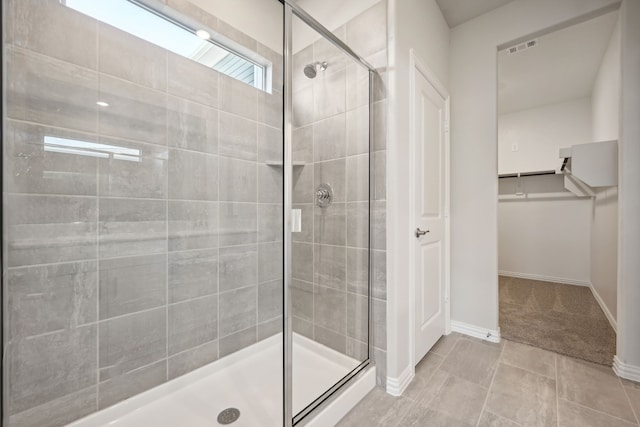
420,233
324,195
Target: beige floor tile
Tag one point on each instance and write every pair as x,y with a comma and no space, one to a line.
424,371
489,419
420,417
593,386
445,344
529,358
460,400
573,415
633,391
431,388
524,397
377,409
474,361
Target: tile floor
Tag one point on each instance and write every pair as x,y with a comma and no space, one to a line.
463,381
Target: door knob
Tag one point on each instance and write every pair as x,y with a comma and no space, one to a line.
420,233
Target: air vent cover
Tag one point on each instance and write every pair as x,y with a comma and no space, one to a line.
521,46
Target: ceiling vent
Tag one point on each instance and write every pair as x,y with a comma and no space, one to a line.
521,46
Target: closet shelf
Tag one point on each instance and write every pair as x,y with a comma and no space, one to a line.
588,166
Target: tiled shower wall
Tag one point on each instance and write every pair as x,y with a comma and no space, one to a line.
123,274
330,119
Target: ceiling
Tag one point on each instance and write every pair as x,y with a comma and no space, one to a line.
458,11
561,67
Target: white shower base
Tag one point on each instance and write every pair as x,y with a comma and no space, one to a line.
249,380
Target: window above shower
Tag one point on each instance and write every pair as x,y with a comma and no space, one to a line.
163,27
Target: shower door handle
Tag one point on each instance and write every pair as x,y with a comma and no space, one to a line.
420,233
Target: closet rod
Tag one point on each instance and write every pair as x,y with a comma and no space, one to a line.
521,174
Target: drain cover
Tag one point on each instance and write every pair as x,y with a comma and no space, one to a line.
228,416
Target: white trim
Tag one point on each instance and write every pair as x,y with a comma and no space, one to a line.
541,278
623,370
603,306
476,331
396,386
349,397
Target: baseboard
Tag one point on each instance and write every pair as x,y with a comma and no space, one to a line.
564,280
626,371
605,309
476,331
396,386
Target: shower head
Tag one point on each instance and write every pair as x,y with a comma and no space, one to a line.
311,70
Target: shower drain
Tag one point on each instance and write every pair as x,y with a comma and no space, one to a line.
228,416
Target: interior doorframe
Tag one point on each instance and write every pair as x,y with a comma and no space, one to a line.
416,65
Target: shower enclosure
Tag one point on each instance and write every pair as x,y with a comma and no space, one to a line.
186,213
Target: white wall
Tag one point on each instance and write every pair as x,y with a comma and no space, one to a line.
604,222
418,25
539,133
627,361
474,145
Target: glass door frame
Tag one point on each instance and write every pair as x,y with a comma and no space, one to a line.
292,9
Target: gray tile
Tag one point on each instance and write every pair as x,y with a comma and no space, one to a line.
49,229
183,72
425,391
358,131
192,274
325,51
460,401
380,358
192,323
331,339
379,126
529,358
132,227
132,284
593,386
237,311
358,317
573,415
358,224
329,93
358,270
358,178
333,173
377,409
379,288
270,108
302,300
237,341
303,327
270,220
357,87
238,137
238,267
300,60
492,420
445,344
191,359
432,418
357,349
302,261
472,360
379,225
39,82
238,97
139,171
238,224
48,367
39,29
425,369
192,225
306,215
269,300
366,33
131,58
379,314
58,412
37,161
132,341
270,184
238,180
302,178
329,307
191,126
302,103
193,176
633,392
523,397
330,266
302,144
130,384
270,261
380,175
50,298
237,36
330,224
134,112
329,138
270,144
269,328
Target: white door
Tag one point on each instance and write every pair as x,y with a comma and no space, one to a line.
429,201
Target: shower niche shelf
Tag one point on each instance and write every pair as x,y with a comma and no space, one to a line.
278,164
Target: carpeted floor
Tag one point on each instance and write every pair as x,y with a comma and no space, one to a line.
562,318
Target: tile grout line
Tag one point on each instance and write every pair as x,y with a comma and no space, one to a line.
493,377
624,390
